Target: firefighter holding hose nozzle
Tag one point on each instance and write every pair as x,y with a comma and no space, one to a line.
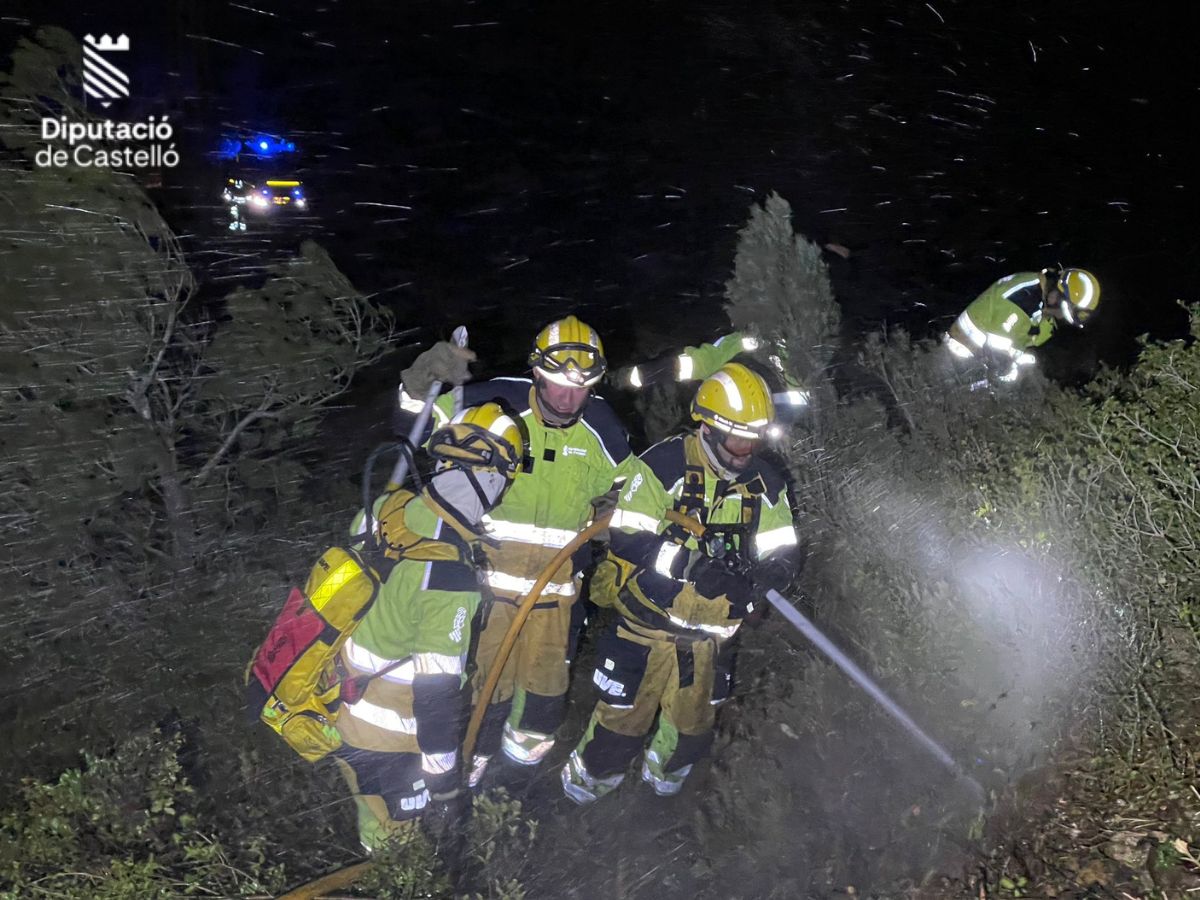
681,601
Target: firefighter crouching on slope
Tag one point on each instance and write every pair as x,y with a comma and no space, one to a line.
1020,312
576,448
401,737
670,651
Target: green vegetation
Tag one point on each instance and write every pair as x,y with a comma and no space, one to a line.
125,826
1020,569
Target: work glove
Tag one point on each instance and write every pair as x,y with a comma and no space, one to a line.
589,554
777,574
605,503
712,577
442,362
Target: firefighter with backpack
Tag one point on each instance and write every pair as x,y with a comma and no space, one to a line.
368,663
401,736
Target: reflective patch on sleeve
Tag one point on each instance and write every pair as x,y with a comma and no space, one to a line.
666,558
766,541
685,366
974,333
1000,342
502,581
366,661
791,398
381,717
524,533
722,631
625,518
438,763
437,664
408,403
957,348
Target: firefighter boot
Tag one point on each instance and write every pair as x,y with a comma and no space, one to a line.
581,786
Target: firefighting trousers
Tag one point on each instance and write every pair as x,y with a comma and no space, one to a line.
531,693
641,674
381,758
389,790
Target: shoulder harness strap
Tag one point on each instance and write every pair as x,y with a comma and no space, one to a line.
690,501
401,542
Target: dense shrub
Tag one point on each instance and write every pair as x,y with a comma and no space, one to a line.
125,825
1018,568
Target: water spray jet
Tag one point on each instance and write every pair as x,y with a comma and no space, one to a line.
864,681
851,669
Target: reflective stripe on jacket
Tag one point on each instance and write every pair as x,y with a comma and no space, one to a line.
652,551
422,618
549,501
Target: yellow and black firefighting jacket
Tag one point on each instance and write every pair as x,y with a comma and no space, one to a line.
651,552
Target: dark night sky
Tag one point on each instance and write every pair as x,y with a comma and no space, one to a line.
601,156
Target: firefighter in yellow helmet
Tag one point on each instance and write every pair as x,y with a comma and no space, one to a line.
402,724
669,653
1020,312
576,448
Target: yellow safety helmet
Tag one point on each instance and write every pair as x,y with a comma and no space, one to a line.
480,437
569,352
1081,290
735,400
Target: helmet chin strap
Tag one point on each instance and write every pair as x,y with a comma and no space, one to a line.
552,418
710,440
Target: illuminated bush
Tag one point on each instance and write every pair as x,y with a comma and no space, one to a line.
124,825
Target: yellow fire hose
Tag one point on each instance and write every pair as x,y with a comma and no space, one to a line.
514,630
687,522
334,881
343,878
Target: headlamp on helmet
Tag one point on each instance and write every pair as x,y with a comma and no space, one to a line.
569,352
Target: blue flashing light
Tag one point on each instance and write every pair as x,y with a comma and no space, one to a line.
265,145
260,146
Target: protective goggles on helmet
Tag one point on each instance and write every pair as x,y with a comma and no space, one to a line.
571,365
